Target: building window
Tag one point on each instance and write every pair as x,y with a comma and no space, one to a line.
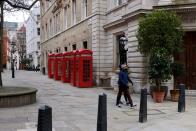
65,48
43,36
65,17
46,31
43,8
38,31
51,29
74,47
38,45
57,23
58,50
118,2
54,26
73,11
84,8
38,17
85,45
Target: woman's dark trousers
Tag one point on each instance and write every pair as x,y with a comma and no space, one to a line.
124,90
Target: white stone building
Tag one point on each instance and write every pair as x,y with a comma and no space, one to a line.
33,36
65,27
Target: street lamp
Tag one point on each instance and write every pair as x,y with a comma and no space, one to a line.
12,59
123,49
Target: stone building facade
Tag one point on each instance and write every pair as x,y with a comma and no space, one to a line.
105,23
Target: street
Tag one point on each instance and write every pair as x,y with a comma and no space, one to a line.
75,109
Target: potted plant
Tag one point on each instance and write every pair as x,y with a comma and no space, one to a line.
159,71
160,36
177,71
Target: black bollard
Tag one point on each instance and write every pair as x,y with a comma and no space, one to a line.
181,100
143,106
45,119
43,70
102,113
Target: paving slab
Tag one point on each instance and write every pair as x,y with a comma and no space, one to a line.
75,109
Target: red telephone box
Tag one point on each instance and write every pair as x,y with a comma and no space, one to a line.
66,69
83,69
72,67
58,66
51,58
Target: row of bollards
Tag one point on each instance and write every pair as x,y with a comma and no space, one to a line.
45,112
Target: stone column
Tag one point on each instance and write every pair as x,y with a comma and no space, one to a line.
98,38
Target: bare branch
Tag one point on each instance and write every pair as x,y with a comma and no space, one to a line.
20,5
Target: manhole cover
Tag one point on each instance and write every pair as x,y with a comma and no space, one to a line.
135,112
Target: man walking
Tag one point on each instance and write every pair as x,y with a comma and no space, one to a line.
123,86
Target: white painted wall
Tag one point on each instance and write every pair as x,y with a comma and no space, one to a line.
32,37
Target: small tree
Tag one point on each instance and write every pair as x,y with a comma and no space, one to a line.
160,36
159,66
160,29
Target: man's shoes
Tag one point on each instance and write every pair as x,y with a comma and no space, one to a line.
132,106
127,103
118,105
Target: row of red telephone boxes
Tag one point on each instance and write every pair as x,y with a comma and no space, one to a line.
73,67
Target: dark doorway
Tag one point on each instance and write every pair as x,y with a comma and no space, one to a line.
188,59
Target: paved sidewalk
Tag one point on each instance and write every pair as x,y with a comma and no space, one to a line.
75,109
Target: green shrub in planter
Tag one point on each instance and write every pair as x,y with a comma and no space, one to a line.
159,69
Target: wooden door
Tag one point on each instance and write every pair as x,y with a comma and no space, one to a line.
192,61
188,59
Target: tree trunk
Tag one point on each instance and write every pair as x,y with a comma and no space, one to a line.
1,42
158,84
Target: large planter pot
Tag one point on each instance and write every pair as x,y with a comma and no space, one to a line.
175,95
163,88
158,96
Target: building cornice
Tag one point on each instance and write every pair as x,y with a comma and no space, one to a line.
126,17
178,7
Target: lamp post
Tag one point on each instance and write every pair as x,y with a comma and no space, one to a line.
123,49
12,59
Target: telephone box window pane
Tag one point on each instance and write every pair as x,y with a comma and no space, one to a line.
86,69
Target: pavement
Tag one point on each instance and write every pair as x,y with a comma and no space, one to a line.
75,109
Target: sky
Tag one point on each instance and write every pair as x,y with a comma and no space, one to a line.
18,16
